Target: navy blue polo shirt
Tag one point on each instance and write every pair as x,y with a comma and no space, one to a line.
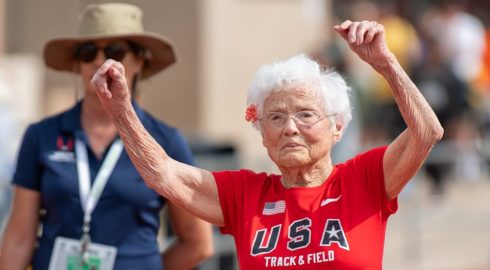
127,214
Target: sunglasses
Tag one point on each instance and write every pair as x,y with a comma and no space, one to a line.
87,52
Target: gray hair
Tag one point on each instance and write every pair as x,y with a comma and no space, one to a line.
301,71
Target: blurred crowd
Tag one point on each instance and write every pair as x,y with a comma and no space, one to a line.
9,131
445,48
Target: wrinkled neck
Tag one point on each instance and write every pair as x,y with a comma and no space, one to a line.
312,175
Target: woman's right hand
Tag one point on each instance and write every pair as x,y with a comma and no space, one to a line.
112,88
367,40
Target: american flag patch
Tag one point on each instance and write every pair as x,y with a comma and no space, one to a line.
272,208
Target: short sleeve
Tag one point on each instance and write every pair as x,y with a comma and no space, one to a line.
228,183
370,166
28,168
237,191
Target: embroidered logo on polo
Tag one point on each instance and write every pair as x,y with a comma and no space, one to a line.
64,150
61,145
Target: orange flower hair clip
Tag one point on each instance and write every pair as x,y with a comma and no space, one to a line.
251,113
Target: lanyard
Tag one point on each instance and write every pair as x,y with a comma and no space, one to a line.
89,197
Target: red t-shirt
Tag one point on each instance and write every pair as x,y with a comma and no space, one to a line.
338,225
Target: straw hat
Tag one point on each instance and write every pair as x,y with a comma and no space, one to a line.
111,20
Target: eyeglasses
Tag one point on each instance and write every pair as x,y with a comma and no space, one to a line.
86,52
301,118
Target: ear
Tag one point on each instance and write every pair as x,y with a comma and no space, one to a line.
263,138
338,131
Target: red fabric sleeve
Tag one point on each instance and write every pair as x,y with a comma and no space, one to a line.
227,182
238,191
370,166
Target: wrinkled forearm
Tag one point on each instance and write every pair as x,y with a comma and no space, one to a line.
188,187
146,154
419,117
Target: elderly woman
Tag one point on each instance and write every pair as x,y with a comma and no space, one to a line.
74,167
315,215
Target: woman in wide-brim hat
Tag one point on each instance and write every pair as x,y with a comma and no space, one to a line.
111,21
62,156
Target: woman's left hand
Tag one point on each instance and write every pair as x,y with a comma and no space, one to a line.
366,39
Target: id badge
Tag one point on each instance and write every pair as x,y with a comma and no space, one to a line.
67,256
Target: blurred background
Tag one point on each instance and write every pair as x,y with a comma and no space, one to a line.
443,220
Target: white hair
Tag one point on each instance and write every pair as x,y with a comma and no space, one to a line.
301,71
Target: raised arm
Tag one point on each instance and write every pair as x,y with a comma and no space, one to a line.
406,154
189,187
